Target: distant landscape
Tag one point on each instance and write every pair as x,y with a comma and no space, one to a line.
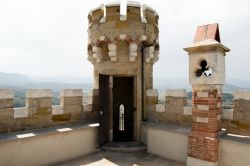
21,83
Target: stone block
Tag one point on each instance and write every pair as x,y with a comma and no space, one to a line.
202,94
42,111
45,102
61,117
151,107
152,100
242,111
6,94
57,110
75,116
176,101
124,24
6,103
21,112
187,110
115,17
198,162
71,93
202,107
39,102
227,113
176,93
6,113
152,93
87,107
133,17
39,93
77,100
35,122
72,109
160,108
201,119
7,125
96,14
242,94
175,109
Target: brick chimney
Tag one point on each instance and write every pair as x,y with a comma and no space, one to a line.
207,76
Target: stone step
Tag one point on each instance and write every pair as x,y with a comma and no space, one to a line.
124,147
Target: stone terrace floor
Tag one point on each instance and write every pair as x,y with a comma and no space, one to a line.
104,158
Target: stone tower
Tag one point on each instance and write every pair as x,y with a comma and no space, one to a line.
122,49
207,76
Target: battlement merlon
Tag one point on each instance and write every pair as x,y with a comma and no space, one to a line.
6,94
108,21
141,12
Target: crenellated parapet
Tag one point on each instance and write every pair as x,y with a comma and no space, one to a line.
171,110
39,111
108,29
6,110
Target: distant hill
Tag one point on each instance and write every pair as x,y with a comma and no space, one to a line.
229,88
19,82
13,79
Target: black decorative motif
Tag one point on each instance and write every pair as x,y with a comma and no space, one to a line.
204,69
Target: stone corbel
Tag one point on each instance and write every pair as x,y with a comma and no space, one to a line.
90,56
143,18
112,52
156,56
133,51
143,38
97,53
103,18
149,53
123,36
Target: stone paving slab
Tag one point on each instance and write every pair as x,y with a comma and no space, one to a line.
104,158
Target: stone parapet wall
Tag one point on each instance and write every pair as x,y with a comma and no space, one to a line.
173,111
39,112
6,110
48,146
238,118
176,110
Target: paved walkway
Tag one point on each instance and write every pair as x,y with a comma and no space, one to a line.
103,158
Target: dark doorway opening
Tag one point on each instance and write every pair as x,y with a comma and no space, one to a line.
123,108
104,109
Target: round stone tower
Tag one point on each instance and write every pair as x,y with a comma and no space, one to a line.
122,49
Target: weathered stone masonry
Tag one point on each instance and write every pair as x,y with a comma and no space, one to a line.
39,112
116,44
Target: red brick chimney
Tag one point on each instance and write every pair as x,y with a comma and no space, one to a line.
207,75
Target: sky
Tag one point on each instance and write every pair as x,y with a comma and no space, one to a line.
49,37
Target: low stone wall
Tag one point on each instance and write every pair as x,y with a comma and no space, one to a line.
39,112
174,110
234,150
171,141
237,120
6,111
48,146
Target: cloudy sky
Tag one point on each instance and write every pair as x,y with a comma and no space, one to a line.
49,37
